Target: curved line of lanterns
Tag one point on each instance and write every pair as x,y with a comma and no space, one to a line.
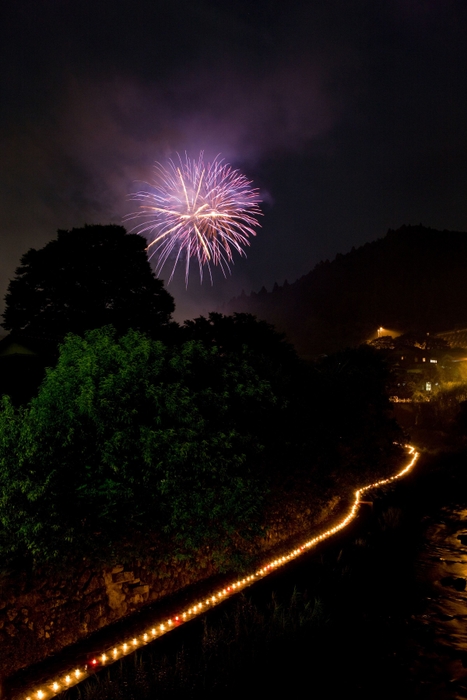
58,685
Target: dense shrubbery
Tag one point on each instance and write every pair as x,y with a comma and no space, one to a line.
353,424
132,445
129,438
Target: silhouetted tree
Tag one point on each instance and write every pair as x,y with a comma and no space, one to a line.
352,418
243,332
87,278
242,337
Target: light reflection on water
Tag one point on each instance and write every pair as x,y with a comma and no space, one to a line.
442,567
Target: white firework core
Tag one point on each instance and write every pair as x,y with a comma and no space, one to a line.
197,210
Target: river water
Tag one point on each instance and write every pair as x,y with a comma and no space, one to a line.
405,598
440,626
442,566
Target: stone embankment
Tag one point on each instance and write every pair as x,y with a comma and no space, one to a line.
39,616
42,614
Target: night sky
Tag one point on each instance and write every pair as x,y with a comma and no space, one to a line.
349,115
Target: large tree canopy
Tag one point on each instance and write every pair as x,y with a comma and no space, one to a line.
87,278
244,332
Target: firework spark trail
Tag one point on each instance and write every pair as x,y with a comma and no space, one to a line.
197,210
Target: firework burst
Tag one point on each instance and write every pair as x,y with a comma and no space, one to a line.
205,211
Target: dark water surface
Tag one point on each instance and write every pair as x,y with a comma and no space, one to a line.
403,610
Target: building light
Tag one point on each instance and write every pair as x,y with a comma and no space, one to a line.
428,386
423,359
434,362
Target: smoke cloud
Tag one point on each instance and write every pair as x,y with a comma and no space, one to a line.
344,115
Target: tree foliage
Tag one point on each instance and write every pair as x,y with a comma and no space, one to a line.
354,425
132,445
267,351
127,440
84,279
243,331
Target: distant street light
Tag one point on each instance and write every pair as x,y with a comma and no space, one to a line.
380,330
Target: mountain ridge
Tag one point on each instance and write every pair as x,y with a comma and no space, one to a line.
413,278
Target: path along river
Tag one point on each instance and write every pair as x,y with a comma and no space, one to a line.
388,602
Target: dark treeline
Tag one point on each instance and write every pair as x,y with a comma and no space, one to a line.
166,439
413,278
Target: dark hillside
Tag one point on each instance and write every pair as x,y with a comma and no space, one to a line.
414,278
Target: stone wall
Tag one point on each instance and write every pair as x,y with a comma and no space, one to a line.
42,614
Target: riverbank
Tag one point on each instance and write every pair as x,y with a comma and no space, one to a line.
258,587
364,614
45,612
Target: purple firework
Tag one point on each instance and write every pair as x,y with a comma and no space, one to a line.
197,210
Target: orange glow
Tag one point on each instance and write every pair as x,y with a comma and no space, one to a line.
218,596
